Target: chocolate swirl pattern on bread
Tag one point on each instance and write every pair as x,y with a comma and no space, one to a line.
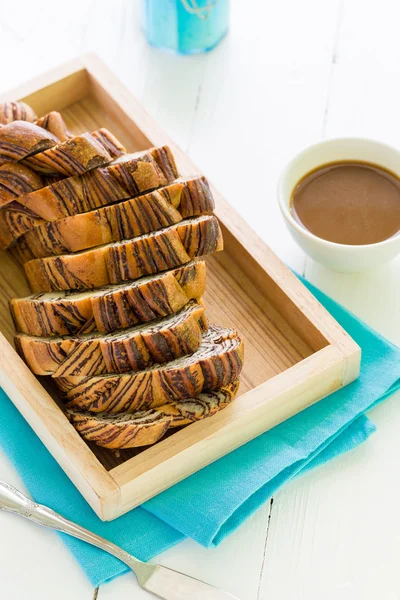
147,427
114,263
110,308
16,180
133,349
122,221
77,154
217,362
126,177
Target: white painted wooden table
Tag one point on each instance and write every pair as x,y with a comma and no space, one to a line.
290,73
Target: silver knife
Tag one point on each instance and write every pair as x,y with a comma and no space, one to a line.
160,581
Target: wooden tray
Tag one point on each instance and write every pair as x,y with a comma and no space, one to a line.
295,351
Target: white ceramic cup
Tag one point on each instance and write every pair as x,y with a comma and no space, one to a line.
340,257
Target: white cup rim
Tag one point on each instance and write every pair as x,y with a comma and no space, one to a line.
285,205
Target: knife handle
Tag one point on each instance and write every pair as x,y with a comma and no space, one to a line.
11,500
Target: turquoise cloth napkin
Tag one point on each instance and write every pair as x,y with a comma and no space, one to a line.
211,504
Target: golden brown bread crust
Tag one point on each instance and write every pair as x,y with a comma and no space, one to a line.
114,263
112,308
16,180
133,349
16,111
132,218
127,177
54,123
217,362
147,427
20,139
77,155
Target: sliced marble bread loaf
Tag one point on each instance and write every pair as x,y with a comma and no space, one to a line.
108,241
127,177
125,220
133,349
110,308
130,259
216,363
143,428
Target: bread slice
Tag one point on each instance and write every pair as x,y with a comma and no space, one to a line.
147,427
216,363
77,155
16,111
128,176
20,139
114,263
111,308
132,218
133,349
